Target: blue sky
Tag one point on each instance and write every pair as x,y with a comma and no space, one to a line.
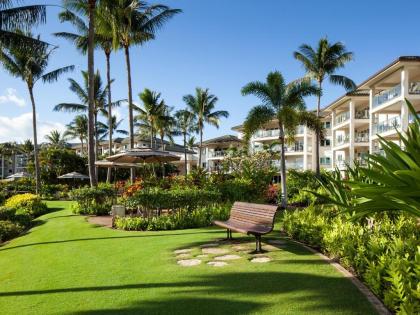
222,45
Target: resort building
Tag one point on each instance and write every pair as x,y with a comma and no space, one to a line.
377,107
12,163
215,150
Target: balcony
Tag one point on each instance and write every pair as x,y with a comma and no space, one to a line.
386,96
361,137
387,125
300,130
341,164
414,88
361,114
342,118
294,165
360,161
342,140
213,154
295,148
267,133
378,151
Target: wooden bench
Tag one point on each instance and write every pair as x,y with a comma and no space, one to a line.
251,219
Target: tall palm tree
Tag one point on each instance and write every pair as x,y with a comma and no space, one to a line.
31,66
185,125
104,130
78,128
285,103
202,106
13,18
134,22
56,139
322,63
149,114
103,40
165,126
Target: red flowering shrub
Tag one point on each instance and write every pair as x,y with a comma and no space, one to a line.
272,193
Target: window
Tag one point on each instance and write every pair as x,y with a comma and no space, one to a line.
327,124
325,142
325,160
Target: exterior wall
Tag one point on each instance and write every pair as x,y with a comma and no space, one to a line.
10,165
213,154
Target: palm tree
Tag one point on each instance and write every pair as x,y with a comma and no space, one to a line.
134,22
78,128
56,139
321,63
153,107
285,103
104,130
185,125
27,147
202,106
103,40
165,126
20,18
30,66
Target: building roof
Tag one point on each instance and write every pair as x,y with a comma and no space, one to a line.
222,139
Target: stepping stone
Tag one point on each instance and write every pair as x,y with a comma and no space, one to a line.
228,257
183,251
271,248
260,260
209,245
277,242
202,256
240,248
217,263
189,262
214,250
183,256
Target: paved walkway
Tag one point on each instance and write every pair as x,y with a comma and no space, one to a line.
105,220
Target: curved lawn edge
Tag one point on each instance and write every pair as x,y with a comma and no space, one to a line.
370,296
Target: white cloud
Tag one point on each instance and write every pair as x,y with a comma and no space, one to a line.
11,97
19,128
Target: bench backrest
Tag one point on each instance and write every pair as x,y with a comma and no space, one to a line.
253,213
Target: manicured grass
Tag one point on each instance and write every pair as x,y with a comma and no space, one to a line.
67,266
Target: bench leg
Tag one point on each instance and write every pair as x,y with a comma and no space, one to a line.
229,234
258,243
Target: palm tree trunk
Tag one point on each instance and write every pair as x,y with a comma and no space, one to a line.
283,169
185,154
162,149
91,107
108,78
130,106
201,145
317,136
36,160
83,148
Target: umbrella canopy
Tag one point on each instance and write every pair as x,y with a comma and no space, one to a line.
19,175
143,155
105,163
73,175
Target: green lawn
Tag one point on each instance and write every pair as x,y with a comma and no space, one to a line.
67,266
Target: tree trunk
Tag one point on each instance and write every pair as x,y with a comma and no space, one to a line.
201,144
283,169
185,154
317,135
108,78
130,106
36,160
162,149
81,141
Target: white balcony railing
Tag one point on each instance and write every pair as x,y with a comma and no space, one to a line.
361,114
342,140
342,118
386,95
275,132
361,137
217,153
389,124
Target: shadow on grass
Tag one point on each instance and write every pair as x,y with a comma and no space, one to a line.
105,238
324,292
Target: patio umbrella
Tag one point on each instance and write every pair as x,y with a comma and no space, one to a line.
19,175
73,175
108,164
143,155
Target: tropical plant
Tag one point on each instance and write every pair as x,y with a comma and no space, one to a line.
133,22
104,130
31,66
185,124
78,128
202,105
322,63
56,139
285,103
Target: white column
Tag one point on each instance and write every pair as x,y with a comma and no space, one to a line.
404,93
305,148
333,138
351,133
371,116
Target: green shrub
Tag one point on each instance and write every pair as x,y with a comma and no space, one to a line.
27,204
93,200
2,197
175,199
239,189
9,214
9,230
54,191
180,220
384,252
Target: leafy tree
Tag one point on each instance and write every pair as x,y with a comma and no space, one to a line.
185,126
202,105
56,139
31,66
322,63
285,103
78,128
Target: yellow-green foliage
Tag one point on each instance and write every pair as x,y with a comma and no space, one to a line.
27,203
